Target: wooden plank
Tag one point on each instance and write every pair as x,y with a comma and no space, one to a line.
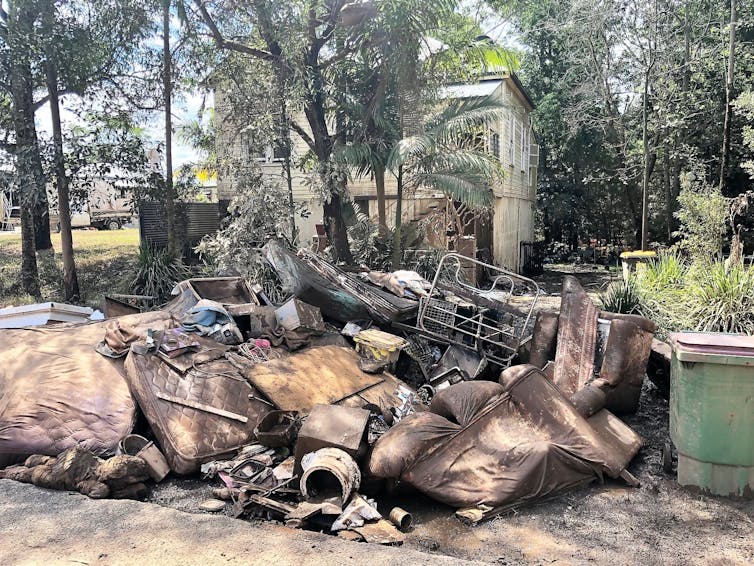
202,407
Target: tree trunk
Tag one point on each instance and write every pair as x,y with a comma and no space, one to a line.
70,281
41,211
397,252
647,158
725,154
284,139
332,206
27,148
668,191
335,227
379,182
167,82
29,274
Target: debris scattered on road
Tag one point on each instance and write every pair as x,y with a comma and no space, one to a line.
301,411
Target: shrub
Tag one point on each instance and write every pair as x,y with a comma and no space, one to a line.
723,300
621,296
702,213
157,273
368,246
698,296
258,213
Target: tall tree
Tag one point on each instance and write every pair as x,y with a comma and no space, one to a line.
71,291
725,154
167,82
16,29
628,97
296,39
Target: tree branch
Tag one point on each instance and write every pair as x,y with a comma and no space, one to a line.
223,43
302,133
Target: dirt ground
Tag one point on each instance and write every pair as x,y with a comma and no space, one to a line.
657,523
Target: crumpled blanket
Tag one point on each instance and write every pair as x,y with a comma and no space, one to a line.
209,318
264,324
400,283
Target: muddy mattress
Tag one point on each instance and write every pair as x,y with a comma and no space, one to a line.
198,413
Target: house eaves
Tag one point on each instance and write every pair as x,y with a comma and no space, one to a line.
485,87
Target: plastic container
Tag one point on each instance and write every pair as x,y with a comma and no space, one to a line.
712,411
379,346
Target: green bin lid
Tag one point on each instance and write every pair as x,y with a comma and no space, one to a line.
715,347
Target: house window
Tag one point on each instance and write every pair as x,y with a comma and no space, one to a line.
495,145
524,144
270,154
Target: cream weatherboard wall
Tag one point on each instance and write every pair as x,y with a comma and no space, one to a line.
512,140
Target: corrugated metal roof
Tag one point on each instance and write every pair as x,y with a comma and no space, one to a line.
476,90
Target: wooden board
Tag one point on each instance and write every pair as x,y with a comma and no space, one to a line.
314,376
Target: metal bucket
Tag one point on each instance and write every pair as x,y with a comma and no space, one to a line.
136,445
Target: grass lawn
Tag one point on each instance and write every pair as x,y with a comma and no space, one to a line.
105,263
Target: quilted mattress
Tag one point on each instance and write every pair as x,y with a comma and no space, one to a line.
197,416
56,391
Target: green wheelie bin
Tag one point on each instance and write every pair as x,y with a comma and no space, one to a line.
712,411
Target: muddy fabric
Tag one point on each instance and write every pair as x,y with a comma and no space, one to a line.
466,400
120,333
56,391
398,448
525,441
80,470
400,283
627,351
191,436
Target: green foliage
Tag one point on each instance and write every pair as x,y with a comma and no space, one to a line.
586,65
699,296
426,262
621,296
444,156
369,245
702,214
664,292
157,273
723,299
745,106
259,212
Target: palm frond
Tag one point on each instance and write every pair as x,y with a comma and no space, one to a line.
410,147
359,157
477,163
490,57
460,116
460,186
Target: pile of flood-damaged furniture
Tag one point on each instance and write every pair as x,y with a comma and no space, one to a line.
304,410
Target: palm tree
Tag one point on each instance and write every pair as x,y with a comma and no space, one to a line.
445,157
